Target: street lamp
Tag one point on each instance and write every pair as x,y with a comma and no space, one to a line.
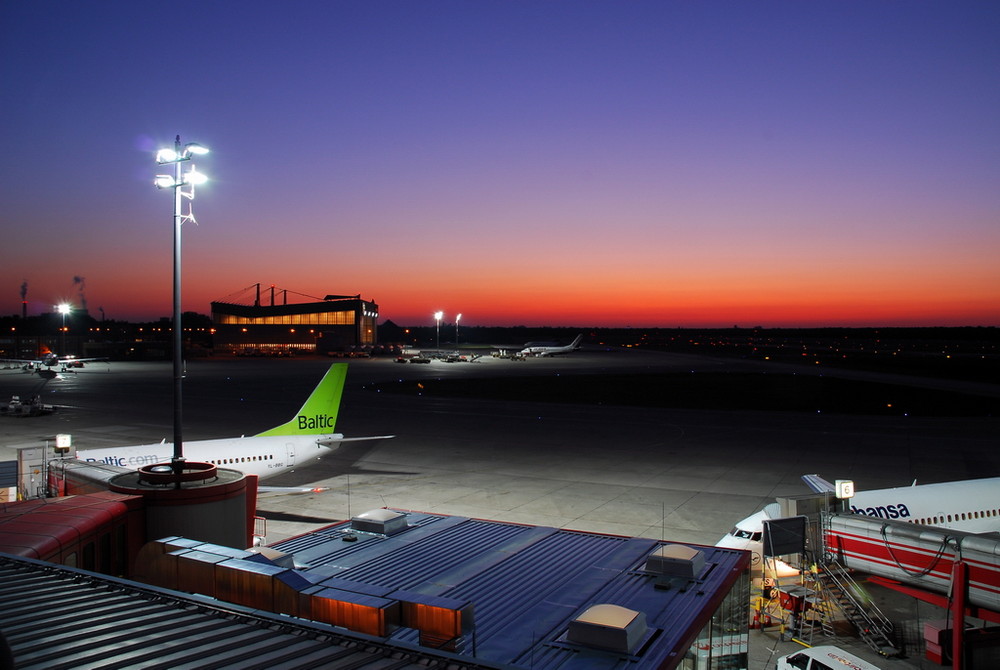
457,319
63,309
176,156
437,317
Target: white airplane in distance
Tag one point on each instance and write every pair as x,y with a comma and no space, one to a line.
971,505
306,436
551,351
44,365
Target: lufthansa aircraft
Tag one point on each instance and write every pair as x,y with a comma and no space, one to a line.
306,436
971,505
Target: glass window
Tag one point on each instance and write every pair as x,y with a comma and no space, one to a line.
800,661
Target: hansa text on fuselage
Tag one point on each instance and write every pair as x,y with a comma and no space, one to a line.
898,511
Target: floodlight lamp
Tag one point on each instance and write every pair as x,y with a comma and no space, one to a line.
164,181
166,156
195,177
63,308
195,148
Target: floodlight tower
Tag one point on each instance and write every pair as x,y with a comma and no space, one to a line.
457,319
176,156
437,318
63,309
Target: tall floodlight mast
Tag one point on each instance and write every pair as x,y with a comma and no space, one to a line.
177,156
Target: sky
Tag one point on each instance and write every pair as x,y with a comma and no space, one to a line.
543,162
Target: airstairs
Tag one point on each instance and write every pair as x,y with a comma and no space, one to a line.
837,591
834,597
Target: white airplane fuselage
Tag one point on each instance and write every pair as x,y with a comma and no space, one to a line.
262,456
971,505
551,350
306,436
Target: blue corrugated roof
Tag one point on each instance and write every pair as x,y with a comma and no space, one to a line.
59,617
526,584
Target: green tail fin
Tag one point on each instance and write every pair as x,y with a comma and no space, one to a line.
319,414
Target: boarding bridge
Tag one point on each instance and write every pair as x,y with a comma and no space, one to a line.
954,570
826,593
926,557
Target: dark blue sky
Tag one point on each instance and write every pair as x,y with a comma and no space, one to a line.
593,163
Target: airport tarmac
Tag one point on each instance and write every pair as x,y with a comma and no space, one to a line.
679,474
683,475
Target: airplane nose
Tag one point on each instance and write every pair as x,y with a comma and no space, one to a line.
730,542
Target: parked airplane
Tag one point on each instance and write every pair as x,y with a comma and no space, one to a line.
971,505
44,364
306,436
551,351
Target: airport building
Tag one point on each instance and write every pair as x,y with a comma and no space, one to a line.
275,326
419,589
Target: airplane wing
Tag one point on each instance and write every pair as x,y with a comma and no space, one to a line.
337,440
38,363
818,484
291,489
19,361
67,360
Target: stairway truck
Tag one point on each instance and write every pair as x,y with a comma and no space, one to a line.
825,657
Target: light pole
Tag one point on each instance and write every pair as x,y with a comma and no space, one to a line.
63,309
176,156
457,319
437,318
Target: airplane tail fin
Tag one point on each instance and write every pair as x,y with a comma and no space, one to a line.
318,415
576,342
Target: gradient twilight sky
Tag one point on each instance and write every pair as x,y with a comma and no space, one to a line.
533,162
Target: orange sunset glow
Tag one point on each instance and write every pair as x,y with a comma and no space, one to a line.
646,165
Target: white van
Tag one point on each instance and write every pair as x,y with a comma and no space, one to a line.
823,658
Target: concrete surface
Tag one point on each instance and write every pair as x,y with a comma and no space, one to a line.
682,475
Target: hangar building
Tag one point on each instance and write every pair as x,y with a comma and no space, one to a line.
333,323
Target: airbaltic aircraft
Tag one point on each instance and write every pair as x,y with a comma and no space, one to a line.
971,505
306,436
551,351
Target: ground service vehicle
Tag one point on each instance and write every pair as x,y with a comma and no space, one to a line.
826,657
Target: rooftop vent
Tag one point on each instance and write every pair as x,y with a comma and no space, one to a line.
274,556
381,521
609,627
676,560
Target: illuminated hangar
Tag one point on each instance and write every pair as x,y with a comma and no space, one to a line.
275,326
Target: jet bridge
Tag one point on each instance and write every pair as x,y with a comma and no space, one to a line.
926,557
951,569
